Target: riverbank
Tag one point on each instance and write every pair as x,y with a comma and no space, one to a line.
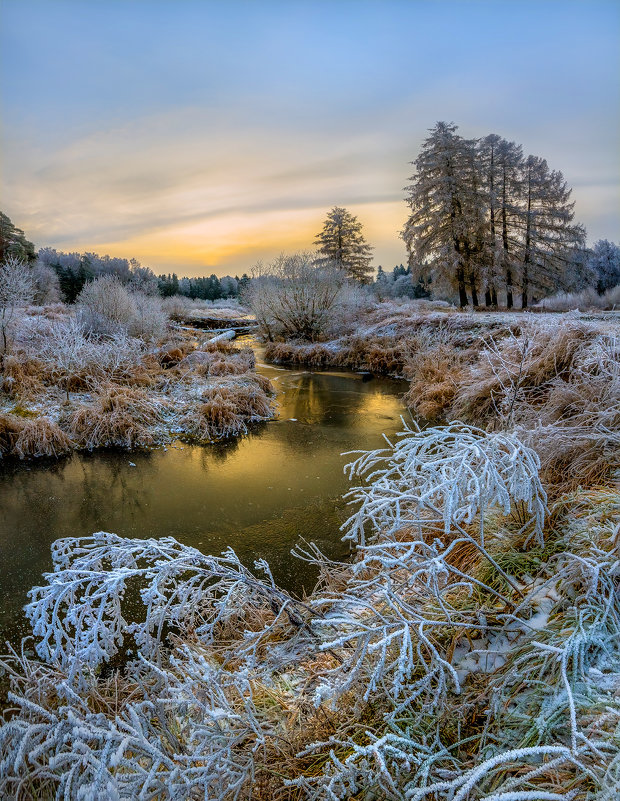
553,378
62,389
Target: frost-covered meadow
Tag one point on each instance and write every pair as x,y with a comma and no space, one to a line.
112,370
470,649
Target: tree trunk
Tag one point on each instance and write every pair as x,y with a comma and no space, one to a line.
474,291
507,270
490,296
509,300
460,277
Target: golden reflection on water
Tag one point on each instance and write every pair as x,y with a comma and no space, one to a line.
259,494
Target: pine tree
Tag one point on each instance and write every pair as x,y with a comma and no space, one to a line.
549,238
341,243
13,242
446,209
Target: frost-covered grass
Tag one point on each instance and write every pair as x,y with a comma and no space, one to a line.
470,650
64,386
187,309
385,337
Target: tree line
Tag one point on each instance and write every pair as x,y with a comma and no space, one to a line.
205,288
486,224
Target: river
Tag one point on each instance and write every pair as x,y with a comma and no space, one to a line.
259,494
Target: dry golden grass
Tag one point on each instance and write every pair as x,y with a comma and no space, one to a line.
249,398
316,356
227,408
11,427
434,377
22,376
117,416
41,437
214,419
523,364
572,459
25,437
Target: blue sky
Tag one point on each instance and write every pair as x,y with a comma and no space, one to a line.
202,136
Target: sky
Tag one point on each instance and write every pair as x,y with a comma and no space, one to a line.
201,136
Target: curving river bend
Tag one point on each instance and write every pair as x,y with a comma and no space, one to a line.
259,494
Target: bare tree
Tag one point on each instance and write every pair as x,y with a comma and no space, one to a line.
16,289
294,298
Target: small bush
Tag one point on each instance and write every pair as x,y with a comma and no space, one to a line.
11,427
108,308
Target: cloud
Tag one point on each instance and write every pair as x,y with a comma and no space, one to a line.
177,178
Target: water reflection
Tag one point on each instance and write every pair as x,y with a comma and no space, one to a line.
259,494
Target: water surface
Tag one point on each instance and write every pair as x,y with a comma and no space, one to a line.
259,494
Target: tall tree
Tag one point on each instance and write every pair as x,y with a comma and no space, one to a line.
509,162
13,242
446,209
481,216
549,237
341,243
491,184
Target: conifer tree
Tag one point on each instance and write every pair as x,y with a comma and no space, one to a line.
13,242
341,243
549,238
482,216
446,209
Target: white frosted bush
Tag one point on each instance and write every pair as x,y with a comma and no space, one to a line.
448,475
79,615
109,308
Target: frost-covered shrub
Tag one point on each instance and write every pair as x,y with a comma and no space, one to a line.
46,284
16,290
450,475
586,299
109,308
149,320
293,298
78,360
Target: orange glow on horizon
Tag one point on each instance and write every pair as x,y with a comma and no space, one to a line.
232,244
